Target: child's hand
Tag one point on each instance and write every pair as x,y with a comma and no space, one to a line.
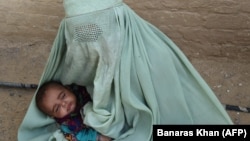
103,138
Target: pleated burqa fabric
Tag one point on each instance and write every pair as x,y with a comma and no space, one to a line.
135,74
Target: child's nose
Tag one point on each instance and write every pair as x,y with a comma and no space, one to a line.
63,104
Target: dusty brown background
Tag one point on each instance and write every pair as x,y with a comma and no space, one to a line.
213,34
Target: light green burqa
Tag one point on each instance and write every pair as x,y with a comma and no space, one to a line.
135,74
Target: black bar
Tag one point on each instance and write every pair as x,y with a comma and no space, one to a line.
18,85
237,108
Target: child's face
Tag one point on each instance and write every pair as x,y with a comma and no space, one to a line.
58,101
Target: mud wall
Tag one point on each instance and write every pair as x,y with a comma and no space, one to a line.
214,34
211,28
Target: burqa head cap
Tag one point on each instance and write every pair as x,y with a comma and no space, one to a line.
79,7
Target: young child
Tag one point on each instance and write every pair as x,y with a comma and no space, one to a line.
64,103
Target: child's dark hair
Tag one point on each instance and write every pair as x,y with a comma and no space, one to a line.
41,92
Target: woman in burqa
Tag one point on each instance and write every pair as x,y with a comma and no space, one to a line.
136,75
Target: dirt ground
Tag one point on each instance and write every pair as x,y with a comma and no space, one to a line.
24,61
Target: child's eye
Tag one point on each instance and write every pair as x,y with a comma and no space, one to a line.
63,95
57,108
